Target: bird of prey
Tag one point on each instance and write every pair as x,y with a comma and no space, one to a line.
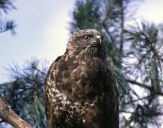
80,90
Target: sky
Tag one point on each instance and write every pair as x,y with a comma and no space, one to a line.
42,29
42,32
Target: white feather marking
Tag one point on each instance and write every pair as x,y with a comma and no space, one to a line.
53,100
53,89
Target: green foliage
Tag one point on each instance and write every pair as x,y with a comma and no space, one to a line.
26,93
145,50
86,16
5,7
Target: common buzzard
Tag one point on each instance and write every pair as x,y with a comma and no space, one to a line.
80,89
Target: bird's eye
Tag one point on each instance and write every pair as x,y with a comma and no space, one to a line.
86,37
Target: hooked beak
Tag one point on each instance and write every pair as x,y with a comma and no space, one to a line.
98,37
97,40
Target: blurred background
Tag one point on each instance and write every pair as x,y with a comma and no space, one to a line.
34,33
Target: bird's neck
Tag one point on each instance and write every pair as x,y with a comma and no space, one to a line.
94,52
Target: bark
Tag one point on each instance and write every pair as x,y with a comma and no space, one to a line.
9,116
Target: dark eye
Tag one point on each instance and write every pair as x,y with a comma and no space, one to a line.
86,37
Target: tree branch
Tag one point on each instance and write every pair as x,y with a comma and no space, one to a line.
7,114
158,92
136,100
139,84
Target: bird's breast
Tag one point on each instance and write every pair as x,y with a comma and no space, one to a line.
80,77
88,76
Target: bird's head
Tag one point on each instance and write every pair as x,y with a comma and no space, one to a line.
88,42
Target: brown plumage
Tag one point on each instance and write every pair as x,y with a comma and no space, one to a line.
80,90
